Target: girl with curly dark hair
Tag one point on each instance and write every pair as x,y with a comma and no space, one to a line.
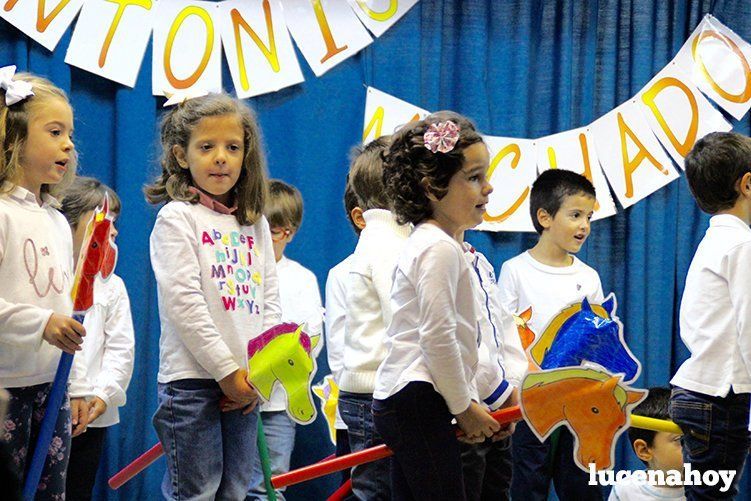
435,174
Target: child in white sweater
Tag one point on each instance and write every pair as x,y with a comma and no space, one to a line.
336,315
368,314
108,352
36,270
217,289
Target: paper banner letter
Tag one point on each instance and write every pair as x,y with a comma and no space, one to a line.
385,114
186,47
326,31
43,21
380,15
678,113
717,61
257,46
630,154
512,171
574,150
110,38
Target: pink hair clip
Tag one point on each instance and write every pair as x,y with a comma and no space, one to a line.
441,136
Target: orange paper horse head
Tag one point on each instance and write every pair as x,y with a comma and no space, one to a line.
593,404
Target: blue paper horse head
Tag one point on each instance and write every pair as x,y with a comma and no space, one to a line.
584,332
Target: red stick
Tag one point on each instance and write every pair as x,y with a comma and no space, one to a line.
136,466
342,492
326,467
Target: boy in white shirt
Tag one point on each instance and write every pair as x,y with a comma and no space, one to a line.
301,303
107,356
368,314
548,278
335,318
710,399
658,450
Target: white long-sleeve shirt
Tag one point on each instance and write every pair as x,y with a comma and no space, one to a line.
301,304
217,289
336,312
502,360
108,348
368,299
715,314
36,270
547,289
632,490
433,334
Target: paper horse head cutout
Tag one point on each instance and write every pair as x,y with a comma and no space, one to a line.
586,333
284,355
526,335
98,256
593,404
328,392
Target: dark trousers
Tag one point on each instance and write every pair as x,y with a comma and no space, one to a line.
416,424
342,449
487,470
537,463
85,452
715,436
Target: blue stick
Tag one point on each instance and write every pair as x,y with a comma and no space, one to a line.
54,401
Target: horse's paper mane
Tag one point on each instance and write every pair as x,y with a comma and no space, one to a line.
257,344
550,377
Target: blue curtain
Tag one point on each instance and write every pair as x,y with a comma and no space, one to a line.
517,68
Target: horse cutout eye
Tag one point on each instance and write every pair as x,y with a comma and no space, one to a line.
290,361
94,245
595,410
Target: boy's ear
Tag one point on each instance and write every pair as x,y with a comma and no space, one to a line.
744,186
179,153
357,217
642,450
544,218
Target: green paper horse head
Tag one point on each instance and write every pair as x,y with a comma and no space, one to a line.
284,354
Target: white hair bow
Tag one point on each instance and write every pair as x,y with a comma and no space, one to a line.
15,90
181,96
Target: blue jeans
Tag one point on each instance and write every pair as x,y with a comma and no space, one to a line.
537,463
209,452
715,436
487,470
369,481
416,424
279,430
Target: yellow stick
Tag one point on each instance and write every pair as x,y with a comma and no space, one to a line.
647,423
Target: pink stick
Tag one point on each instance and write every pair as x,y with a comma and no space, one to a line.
326,467
136,467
